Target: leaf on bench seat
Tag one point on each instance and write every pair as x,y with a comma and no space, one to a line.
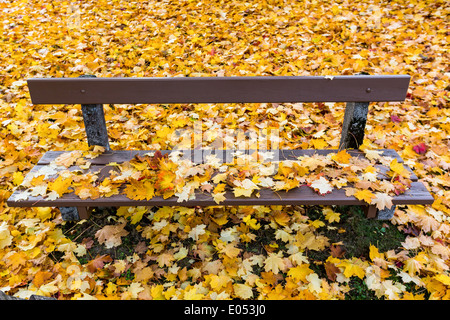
60,185
67,159
399,169
139,190
364,195
382,201
322,186
143,177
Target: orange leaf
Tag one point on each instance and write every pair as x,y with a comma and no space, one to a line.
41,277
98,262
342,157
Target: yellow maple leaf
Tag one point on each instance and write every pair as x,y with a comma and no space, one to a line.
139,190
352,269
219,281
317,224
382,200
412,266
41,277
443,278
374,253
319,143
67,159
219,197
190,293
107,188
251,222
37,181
229,250
364,195
44,213
281,217
322,186
399,169
111,289
87,190
299,273
60,185
274,262
331,215
5,235
220,188
238,191
165,181
220,219
133,290
138,214
157,292
342,157
243,291
17,178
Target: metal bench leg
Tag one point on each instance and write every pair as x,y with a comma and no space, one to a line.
386,214
75,213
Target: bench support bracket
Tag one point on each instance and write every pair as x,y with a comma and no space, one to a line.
372,212
75,213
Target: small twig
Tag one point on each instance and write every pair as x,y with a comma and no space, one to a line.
277,194
82,233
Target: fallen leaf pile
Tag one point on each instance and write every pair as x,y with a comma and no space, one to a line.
259,252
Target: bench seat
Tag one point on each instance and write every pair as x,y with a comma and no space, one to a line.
302,195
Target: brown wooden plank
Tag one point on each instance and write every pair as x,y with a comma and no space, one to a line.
120,156
201,156
418,194
294,196
105,169
355,88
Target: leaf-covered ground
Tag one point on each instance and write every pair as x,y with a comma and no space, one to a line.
222,253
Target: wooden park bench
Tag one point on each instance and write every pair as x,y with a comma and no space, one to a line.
91,92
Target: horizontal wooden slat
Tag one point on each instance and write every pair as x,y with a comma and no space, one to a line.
103,171
303,195
418,194
120,156
200,156
219,89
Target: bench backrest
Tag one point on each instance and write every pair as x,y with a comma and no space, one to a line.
357,88
92,93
